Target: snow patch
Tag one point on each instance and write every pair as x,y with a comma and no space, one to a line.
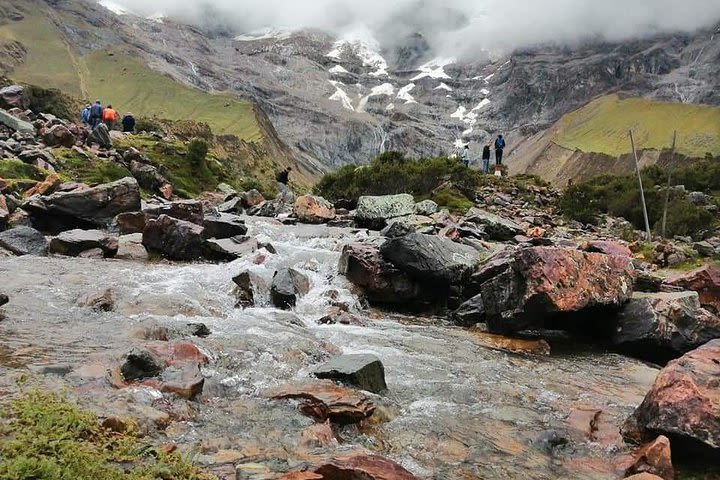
341,96
367,51
338,69
157,17
270,33
485,91
467,132
390,107
113,7
482,104
384,89
443,86
459,113
435,68
404,93
487,79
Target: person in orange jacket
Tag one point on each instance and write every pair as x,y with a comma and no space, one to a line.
109,116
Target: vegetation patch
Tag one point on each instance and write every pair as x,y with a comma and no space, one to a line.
14,169
78,168
46,437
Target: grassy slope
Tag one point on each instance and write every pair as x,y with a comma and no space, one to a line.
602,126
123,81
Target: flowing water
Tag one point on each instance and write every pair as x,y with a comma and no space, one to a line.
455,408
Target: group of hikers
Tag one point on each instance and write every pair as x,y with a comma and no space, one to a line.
499,145
95,114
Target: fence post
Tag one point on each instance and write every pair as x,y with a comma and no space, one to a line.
669,184
642,192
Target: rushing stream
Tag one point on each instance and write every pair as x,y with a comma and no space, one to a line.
455,410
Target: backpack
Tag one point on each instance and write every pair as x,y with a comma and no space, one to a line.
499,143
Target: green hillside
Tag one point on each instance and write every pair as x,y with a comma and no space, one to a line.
602,126
121,80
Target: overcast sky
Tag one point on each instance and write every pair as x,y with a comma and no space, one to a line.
453,26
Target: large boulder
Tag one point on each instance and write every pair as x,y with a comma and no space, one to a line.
130,247
130,222
24,240
426,207
381,282
74,242
705,281
251,198
430,258
228,249
683,404
173,238
150,178
3,299
250,288
663,326
188,210
14,123
58,136
498,228
374,212
100,136
530,287
354,467
224,225
97,205
287,285
313,209
324,400
363,371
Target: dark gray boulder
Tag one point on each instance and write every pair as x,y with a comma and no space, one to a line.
224,225
363,371
74,242
100,136
250,289
148,176
496,227
471,312
663,326
430,258
24,241
174,239
398,228
287,285
15,123
228,249
187,210
140,364
97,205
3,299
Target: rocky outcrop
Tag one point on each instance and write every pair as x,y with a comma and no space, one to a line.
100,136
683,403
374,212
324,400
652,458
497,228
532,286
354,467
150,178
24,241
174,239
74,243
15,123
187,210
607,247
381,283
705,281
430,258
287,285
224,225
313,209
58,136
662,326
363,371
97,205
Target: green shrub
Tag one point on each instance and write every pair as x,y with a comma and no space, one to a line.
197,151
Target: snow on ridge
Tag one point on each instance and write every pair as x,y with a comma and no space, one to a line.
364,51
157,17
485,91
484,102
443,86
404,93
341,96
113,7
269,33
435,68
384,89
338,69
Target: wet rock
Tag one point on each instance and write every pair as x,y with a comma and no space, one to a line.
130,222
140,364
224,225
683,404
550,441
470,312
325,400
430,258
705,281
188,210
341,317
426,207
287,285
73,242
174,239
526,346
653,458
46,187
313,209
251,198
662,326
58,136
24,241
15,123
178,354
360,467
230,248
130,247
588,424
363,371
607,247
497,228
374,212
250,288
4,299
527,288
231,206
398,228
382,283
100,136
97,205
186,382
197,330
99,301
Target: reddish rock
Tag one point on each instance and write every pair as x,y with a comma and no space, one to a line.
301,476
173,238
644,476
130,222
589,424
59,136
251,199
535,232
4,212
363,467
186,382
512,345
683,403
653,458
451,233
319,435
312,209
326,400
704,280
607,247
46,187
178,354
529,287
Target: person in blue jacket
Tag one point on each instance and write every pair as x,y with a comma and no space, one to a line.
96,113
499,147
85,115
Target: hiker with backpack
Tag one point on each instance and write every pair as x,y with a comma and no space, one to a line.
465,155
128,123
85,114
499,147
96,114
109,116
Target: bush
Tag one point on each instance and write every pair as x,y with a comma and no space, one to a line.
197,151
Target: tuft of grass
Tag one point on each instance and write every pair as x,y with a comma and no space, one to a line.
14,169
602,126
46,437
92,171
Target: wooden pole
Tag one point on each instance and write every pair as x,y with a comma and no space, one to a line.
669,184
642,192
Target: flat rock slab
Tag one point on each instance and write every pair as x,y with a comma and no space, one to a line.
231,248
324,399
497,227
24,240
354,467
74,242
374,212
224,225
363,371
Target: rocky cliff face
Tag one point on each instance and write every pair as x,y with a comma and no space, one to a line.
336,102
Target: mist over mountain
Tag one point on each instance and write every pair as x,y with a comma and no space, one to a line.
457,27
